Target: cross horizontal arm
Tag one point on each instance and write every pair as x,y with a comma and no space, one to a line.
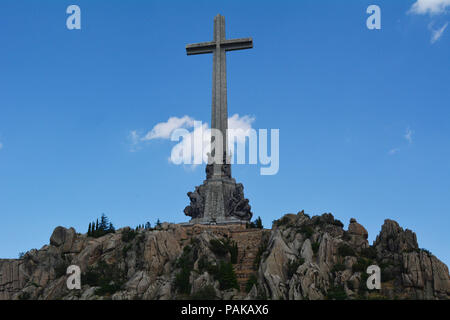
237,44
199,48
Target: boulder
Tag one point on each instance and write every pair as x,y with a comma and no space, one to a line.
63,237
355,228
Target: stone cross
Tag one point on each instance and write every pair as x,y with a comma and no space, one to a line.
219,200
218,47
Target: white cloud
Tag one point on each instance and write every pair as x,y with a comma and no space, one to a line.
433,8
436,34
408,135
1,146
197,135
164,130
243,123
199,139
430,7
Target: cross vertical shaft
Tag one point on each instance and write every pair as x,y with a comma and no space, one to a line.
218,47
219,114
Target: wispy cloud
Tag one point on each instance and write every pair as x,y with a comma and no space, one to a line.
1,146
433,8
408,135
393,151
430,7
436,34
134,141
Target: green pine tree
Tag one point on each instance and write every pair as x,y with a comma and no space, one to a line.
258,223
103,226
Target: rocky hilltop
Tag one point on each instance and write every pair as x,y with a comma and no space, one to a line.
299,258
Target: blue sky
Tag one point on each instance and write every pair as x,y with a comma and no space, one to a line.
363,114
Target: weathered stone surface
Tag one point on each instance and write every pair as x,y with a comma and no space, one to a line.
306,252
355,228
62,236
205,279
419,273
393,238
307,283
298,259
358,235
274,267
326,269
12,278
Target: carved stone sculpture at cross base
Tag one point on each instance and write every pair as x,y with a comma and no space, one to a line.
195,210
236,206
